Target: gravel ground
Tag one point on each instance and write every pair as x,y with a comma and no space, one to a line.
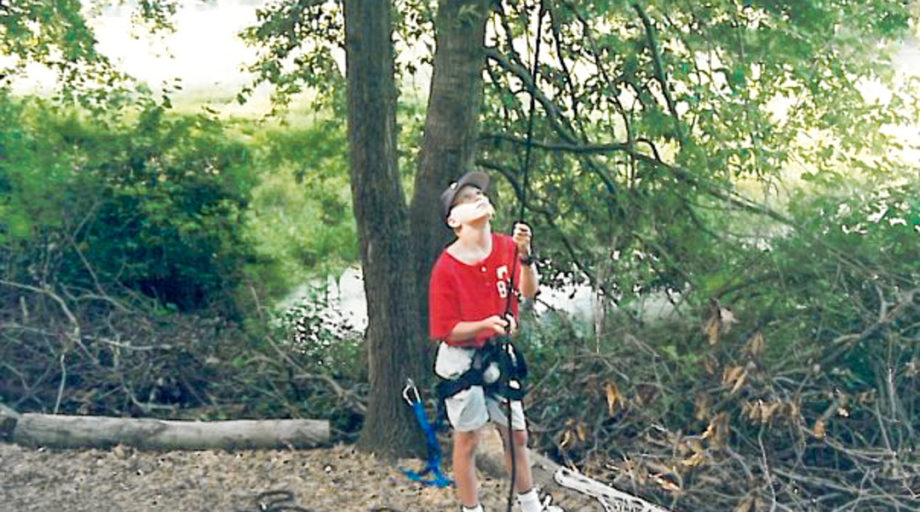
336,479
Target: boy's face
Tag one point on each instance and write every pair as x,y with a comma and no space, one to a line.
470,205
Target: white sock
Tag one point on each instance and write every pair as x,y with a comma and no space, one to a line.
477,508
530,501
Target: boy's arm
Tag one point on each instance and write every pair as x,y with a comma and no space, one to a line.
529,277
530,280
464,331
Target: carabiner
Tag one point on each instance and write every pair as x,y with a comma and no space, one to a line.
410,388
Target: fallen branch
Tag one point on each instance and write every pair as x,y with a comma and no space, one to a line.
611,499
62,431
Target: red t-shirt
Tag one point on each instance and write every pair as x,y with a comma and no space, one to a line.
459,292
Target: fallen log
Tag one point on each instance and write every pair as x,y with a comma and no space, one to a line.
8,420
574,491
60,431
490,459
613,500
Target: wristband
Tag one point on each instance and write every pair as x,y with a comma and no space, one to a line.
527,260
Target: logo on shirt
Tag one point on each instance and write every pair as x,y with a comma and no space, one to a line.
502,274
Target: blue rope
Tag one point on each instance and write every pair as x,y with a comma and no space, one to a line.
433,464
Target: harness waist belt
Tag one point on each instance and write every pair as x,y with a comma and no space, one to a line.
510,364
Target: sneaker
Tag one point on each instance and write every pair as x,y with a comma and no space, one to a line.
548,507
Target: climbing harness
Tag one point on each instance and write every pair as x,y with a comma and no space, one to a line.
498,367
611,499
431,474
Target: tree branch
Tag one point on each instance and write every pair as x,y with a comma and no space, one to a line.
554,113
509,174
564,147
678,172
660,72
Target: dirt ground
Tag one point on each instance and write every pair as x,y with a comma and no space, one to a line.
336,479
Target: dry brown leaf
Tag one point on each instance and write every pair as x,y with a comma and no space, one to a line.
768,410
755,344
731,375
695,445
641,474
658,467
701,407
566,439
569,367
740,382
717,430
820,428
711,328
726,319
613,398
752,410
795,410
746,505
694,460
711,365
666,484
710,431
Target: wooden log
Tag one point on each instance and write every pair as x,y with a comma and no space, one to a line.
8,420
61,431
490,459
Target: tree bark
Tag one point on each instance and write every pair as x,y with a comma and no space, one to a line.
62,431
451,130
393,332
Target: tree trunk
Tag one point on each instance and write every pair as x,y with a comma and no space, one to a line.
451,130
393,332
62,431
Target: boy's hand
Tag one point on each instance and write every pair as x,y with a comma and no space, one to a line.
512,324
504,326
521,237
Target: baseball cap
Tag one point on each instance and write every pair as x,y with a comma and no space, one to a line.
477,179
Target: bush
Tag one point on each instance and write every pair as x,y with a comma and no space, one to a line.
798,383
153,205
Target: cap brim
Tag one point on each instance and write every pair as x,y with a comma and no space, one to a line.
477,179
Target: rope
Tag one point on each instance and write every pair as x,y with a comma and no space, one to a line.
515,263
533,106
276,501
283,501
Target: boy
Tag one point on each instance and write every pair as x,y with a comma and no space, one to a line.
469,293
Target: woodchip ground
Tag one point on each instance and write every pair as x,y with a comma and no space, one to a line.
335,479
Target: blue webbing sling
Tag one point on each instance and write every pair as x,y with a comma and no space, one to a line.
431,474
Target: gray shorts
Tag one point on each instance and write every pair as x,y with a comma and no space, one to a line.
471,409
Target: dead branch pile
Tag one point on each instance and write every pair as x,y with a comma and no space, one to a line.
745,410
91,353
730,415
